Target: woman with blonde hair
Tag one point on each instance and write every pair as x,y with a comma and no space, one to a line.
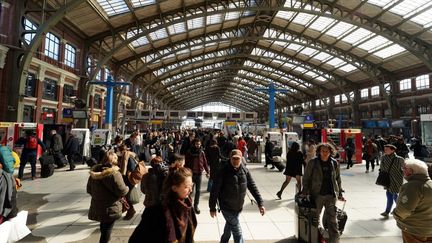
106,187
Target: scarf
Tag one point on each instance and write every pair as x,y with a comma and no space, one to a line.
181,221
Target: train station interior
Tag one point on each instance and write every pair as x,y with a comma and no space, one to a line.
319,69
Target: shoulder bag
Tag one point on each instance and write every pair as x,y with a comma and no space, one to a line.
383,178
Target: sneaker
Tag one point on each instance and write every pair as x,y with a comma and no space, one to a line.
367,171
279,195
385,214
272,167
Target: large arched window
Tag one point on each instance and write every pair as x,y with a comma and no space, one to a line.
52,46
70,54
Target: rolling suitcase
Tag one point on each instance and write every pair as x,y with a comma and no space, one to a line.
47,165
341,217
277,162
307,221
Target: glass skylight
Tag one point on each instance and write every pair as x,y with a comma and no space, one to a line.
390,51
158,34
322,56
285,15
357,35
321,23
409,7
140,3
214,19
374,43
113,7
339,29
380,3
303,18
195,23
294,47
336,62
177,28
424,18
138,42
232,15
308,51
348,68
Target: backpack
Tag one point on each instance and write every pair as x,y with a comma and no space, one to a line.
32,142
137,174
7,159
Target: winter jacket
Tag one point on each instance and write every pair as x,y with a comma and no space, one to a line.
72,146
8,204
56,143
413,212
151,185
106,187
214,158
396,173
229,189
195,160
313,178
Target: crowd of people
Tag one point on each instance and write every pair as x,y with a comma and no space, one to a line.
172,183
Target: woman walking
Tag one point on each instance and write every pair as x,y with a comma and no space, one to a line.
293,168
106,187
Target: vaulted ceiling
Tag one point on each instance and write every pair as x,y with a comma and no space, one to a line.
191,52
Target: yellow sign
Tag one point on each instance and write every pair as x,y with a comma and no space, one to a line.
156,122
95,118
68,120
233,123
308,125
6,124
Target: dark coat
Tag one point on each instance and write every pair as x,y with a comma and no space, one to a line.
214,157
229,188
56,143
294,164
106,187
395,171
72,146
195,160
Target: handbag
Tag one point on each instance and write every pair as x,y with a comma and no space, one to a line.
133,195
383,178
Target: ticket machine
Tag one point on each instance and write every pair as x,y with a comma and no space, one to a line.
7,134
99,139
83,135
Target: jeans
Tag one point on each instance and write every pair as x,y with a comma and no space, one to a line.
390,198
106,229
196,179
27,157
232,225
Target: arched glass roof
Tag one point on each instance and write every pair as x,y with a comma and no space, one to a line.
218,50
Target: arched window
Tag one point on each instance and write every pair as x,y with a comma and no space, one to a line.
70,54
52,46
28,25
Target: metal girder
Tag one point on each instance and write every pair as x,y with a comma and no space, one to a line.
246,94
335,15
229,100
210,95
309,66
419,48
246,68
221,87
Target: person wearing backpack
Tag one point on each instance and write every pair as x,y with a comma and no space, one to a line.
29,152
322,182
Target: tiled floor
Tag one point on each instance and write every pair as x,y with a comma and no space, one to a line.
58,209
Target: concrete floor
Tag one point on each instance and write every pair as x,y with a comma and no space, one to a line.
58,209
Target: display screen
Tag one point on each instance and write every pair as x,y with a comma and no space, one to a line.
79,114
221,115
369,124
130,112
383,124
398,124
160,113
298,119
249,115
199,113
208,115
235,115
191,115
174,114
145,113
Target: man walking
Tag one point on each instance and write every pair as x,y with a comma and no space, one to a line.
229,189
413,212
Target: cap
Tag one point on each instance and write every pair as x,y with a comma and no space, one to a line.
390,146
235,153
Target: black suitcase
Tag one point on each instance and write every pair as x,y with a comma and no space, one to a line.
341,217
307,231
277,162
47,170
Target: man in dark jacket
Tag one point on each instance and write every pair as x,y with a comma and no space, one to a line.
196,161
56,147
72,151
229,189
